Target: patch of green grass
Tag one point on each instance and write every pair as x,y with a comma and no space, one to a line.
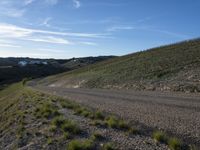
58,121
114,122
159,136
70,126
108,146
49,141
174,144
132,130
66,135
47,110
98,123
67,104
97,136
99,115
81,145
52,128
66,125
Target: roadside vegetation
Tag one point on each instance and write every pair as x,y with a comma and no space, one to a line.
39,119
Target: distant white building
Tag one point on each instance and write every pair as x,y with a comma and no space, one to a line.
22,63
32,62
44,63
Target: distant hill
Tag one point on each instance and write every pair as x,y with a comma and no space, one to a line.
173,67
15,69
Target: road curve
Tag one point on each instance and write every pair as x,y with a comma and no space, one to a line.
177,113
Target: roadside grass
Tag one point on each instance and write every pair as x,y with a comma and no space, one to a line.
47,110
100,119
109,146
81,145
97,136
172,142
67,126
159,136
24,103
114,122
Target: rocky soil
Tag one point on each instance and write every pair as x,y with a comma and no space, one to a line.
175,113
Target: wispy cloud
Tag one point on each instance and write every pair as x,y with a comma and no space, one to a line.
11,8
9,30
28,2
76,3
89,43
50,39
118,28
9,45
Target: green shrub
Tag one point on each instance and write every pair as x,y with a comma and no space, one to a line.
160,137
47,111
132,131
81,145
98,123
49,141
66,135
52,128
123,124
112,122
97,136
70,126
58,121
67,104
99,115
108,146
174,144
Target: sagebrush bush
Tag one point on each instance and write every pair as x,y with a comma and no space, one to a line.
174,144
160,137
81,145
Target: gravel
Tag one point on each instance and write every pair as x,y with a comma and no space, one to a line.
175,113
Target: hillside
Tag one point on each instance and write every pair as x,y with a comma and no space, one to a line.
168,68
15,69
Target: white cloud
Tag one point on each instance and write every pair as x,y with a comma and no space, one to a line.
9,30
50,39
9,45
76,3
28,2
12,8
118,28
12,12
88,43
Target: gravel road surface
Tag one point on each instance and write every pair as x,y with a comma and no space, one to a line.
175,113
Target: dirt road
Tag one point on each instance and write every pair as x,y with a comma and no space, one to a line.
176,113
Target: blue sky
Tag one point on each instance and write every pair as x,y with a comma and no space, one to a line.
78,28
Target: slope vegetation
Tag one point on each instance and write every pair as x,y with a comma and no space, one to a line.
173,67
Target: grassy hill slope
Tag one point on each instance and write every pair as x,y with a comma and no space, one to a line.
173,67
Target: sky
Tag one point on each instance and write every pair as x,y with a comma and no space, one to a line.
78,28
